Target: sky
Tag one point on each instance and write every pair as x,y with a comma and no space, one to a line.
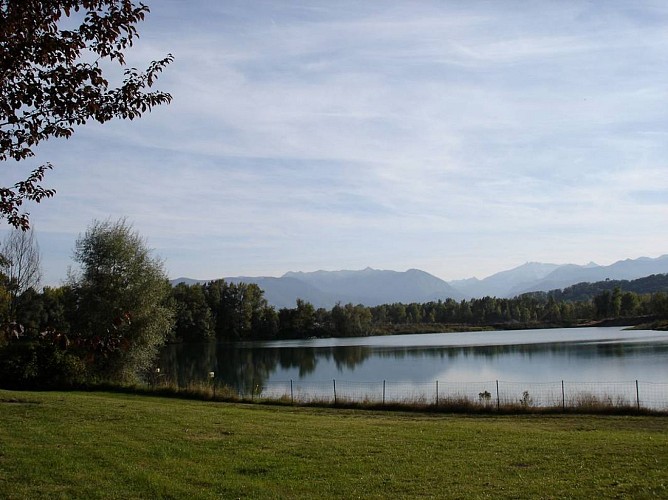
462,138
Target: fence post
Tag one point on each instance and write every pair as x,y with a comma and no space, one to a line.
383,393
498,398
292,394
563,396
334,391
637,395
437,393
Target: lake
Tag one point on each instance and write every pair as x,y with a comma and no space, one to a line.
596,360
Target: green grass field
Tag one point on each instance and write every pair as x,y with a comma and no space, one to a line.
102,445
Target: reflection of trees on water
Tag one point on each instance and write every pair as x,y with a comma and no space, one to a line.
247,369
348,356
187,363
303,359
581,350
241,369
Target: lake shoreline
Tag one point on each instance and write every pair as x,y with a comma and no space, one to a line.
638,322
633,323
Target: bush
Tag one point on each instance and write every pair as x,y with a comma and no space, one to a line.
30,364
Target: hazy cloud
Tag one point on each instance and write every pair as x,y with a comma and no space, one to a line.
456,137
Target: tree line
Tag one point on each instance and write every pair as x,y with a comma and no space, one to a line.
222,310
112,315
228,311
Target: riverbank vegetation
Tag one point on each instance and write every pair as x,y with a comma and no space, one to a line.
229,311
106,325
107,322
95,445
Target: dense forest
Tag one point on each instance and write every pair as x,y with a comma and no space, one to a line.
229,311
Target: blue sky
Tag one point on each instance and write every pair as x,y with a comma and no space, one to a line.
461,138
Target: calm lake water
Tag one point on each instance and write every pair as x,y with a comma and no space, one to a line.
576,354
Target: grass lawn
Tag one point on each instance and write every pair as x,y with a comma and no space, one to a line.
102,445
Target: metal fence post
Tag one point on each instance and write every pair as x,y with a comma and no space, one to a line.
498,398
383,392
292,394
334,391
637,395
563,396
437,393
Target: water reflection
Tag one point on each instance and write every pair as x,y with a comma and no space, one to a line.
248,367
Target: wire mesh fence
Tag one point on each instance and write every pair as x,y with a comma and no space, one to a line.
494,393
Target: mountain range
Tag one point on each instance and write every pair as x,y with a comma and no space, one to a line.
373,287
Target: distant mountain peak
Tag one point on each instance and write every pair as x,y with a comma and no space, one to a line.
536,276
371,286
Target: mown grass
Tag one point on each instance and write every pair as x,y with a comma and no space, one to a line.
103,445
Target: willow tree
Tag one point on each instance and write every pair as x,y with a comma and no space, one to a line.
121,315
52,55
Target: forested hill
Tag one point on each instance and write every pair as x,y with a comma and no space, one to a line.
587,291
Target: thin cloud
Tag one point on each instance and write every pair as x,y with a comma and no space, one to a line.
457,137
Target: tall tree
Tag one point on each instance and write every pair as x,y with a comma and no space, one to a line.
193,321
629,304
21,263
298,322
121,313
51,79
602,304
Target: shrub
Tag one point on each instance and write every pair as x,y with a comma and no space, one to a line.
32,364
